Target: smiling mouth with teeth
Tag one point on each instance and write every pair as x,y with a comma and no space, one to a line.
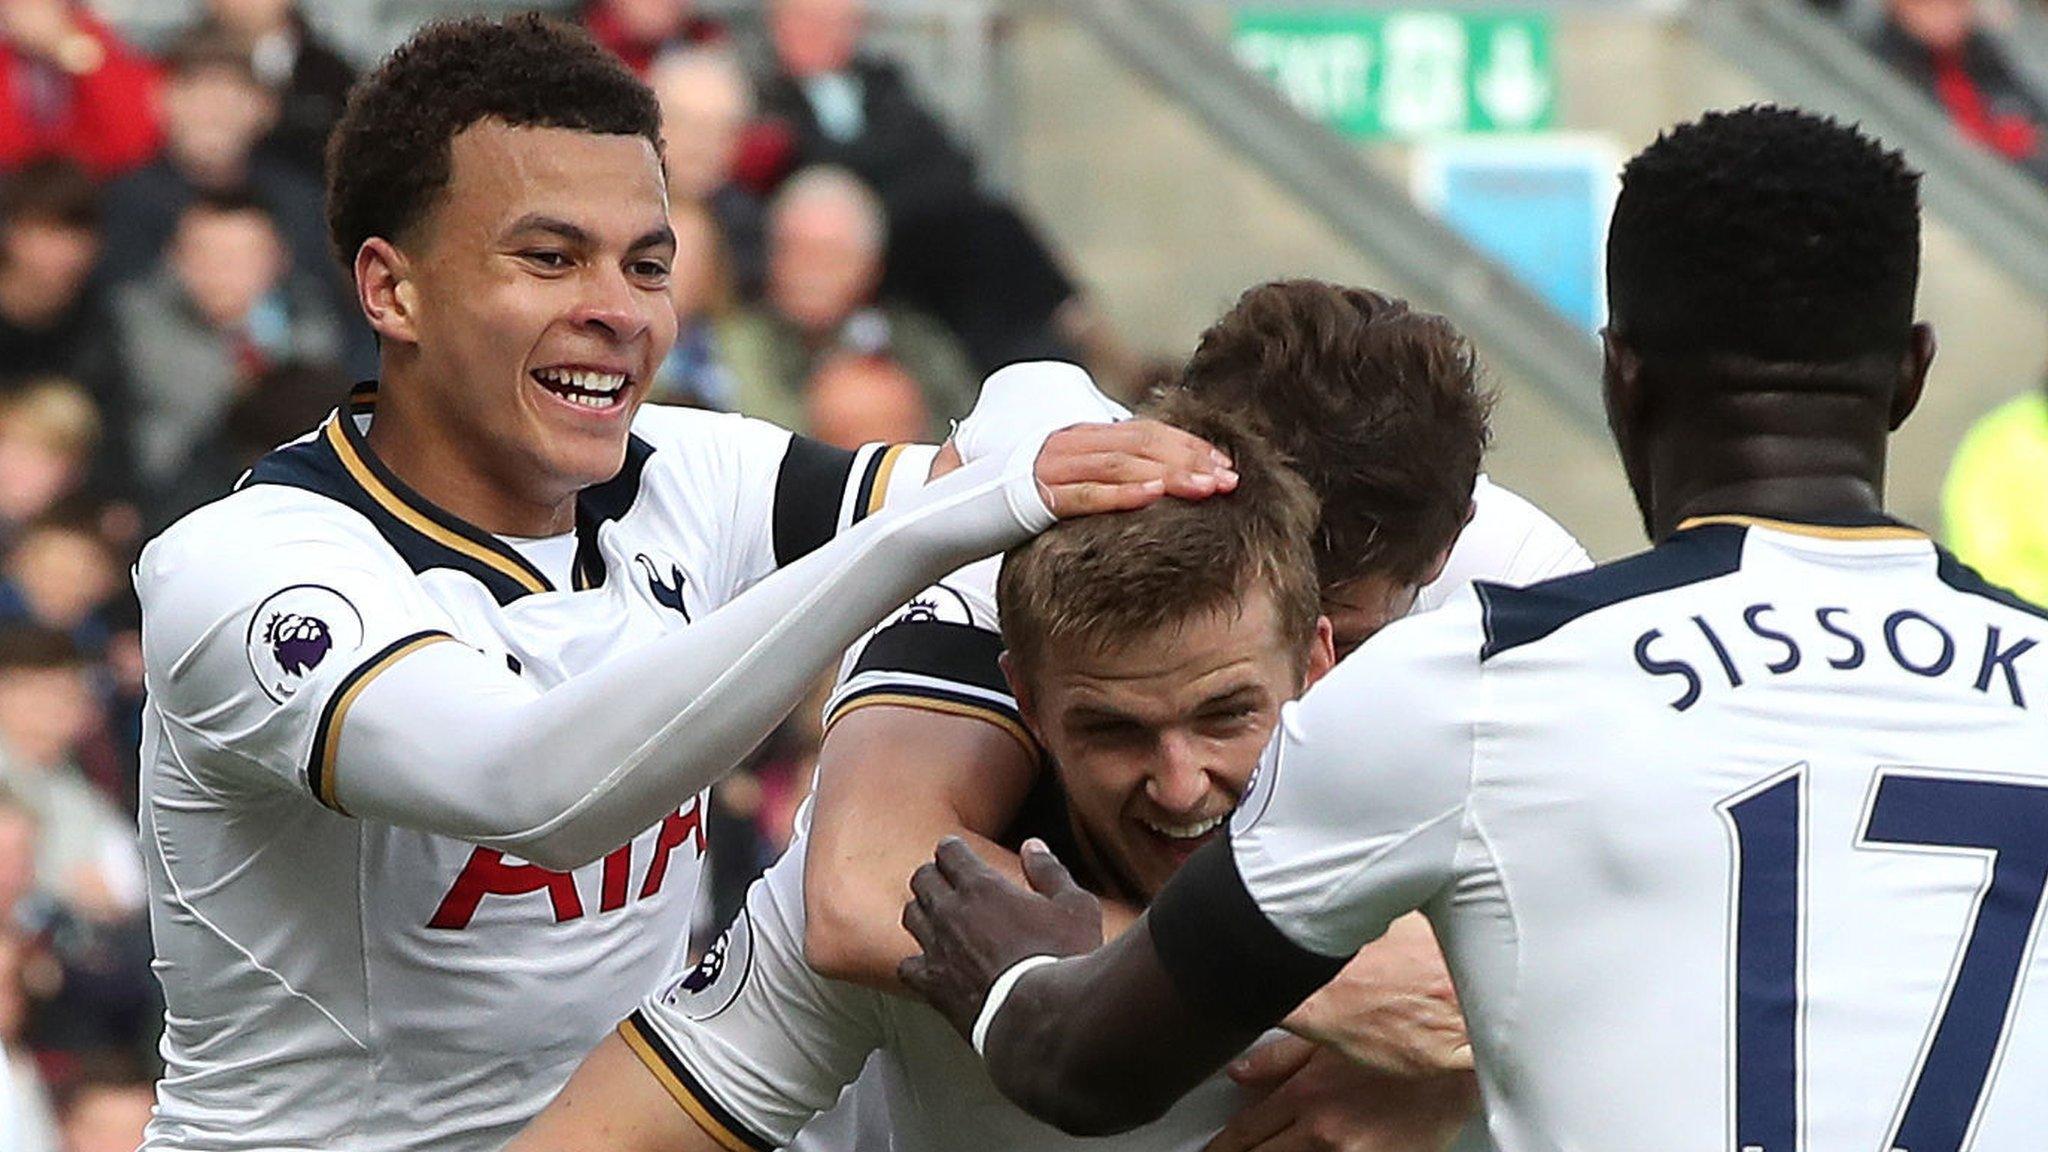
590,389
1194,831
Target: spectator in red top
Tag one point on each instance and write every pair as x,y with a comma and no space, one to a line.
70,87
1940,46
639,30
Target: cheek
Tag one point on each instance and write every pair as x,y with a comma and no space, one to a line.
1238,757
1099,782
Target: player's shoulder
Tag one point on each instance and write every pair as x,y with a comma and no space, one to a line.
1501,512
1514,617
942,652
1527,544
1964,580
257,523
699,432
967,597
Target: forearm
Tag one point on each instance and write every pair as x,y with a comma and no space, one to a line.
854,930
563,776
1392,1008
894,780
1141,1050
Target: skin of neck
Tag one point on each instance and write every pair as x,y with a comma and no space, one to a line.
1769,443
428,453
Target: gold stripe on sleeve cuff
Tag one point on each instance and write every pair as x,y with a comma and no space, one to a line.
657,1062
949,707
327,739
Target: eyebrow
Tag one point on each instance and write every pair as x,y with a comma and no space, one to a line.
580,236
1246,694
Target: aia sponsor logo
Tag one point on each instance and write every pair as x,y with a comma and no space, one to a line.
488,874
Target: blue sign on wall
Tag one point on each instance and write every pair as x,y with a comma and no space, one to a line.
1540,207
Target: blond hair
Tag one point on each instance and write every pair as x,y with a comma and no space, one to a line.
53,413
1103,581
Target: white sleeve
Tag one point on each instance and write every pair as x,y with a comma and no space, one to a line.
256,611
1508,541
1029,401
750,1041
1356,815
780,495
441,737
942,652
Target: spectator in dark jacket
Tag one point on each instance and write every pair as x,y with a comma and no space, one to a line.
54,319
223,308
70,87
310,79
1940,46
216,113
954,251
826,236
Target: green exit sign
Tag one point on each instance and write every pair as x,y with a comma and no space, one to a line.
1405,74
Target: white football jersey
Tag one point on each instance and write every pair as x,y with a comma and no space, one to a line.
753,1044
1736,844
334,983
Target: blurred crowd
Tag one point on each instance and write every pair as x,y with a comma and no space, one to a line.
1951,51
1948,50
169,310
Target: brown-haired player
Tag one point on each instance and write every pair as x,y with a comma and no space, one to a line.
1150,653
1380,407
434,693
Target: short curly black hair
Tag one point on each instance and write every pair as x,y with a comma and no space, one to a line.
389,157
1765,233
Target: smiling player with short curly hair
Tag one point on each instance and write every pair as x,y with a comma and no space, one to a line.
435,692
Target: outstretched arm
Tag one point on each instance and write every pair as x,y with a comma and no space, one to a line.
426,733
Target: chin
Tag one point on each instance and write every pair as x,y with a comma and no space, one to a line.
582,464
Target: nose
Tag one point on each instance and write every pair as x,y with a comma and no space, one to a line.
612,306
1179,778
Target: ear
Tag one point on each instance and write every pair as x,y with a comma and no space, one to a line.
1620,380
1913,374
1027,705
1322,653
385,291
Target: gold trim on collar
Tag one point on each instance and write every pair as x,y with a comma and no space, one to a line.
391,502
1818,531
